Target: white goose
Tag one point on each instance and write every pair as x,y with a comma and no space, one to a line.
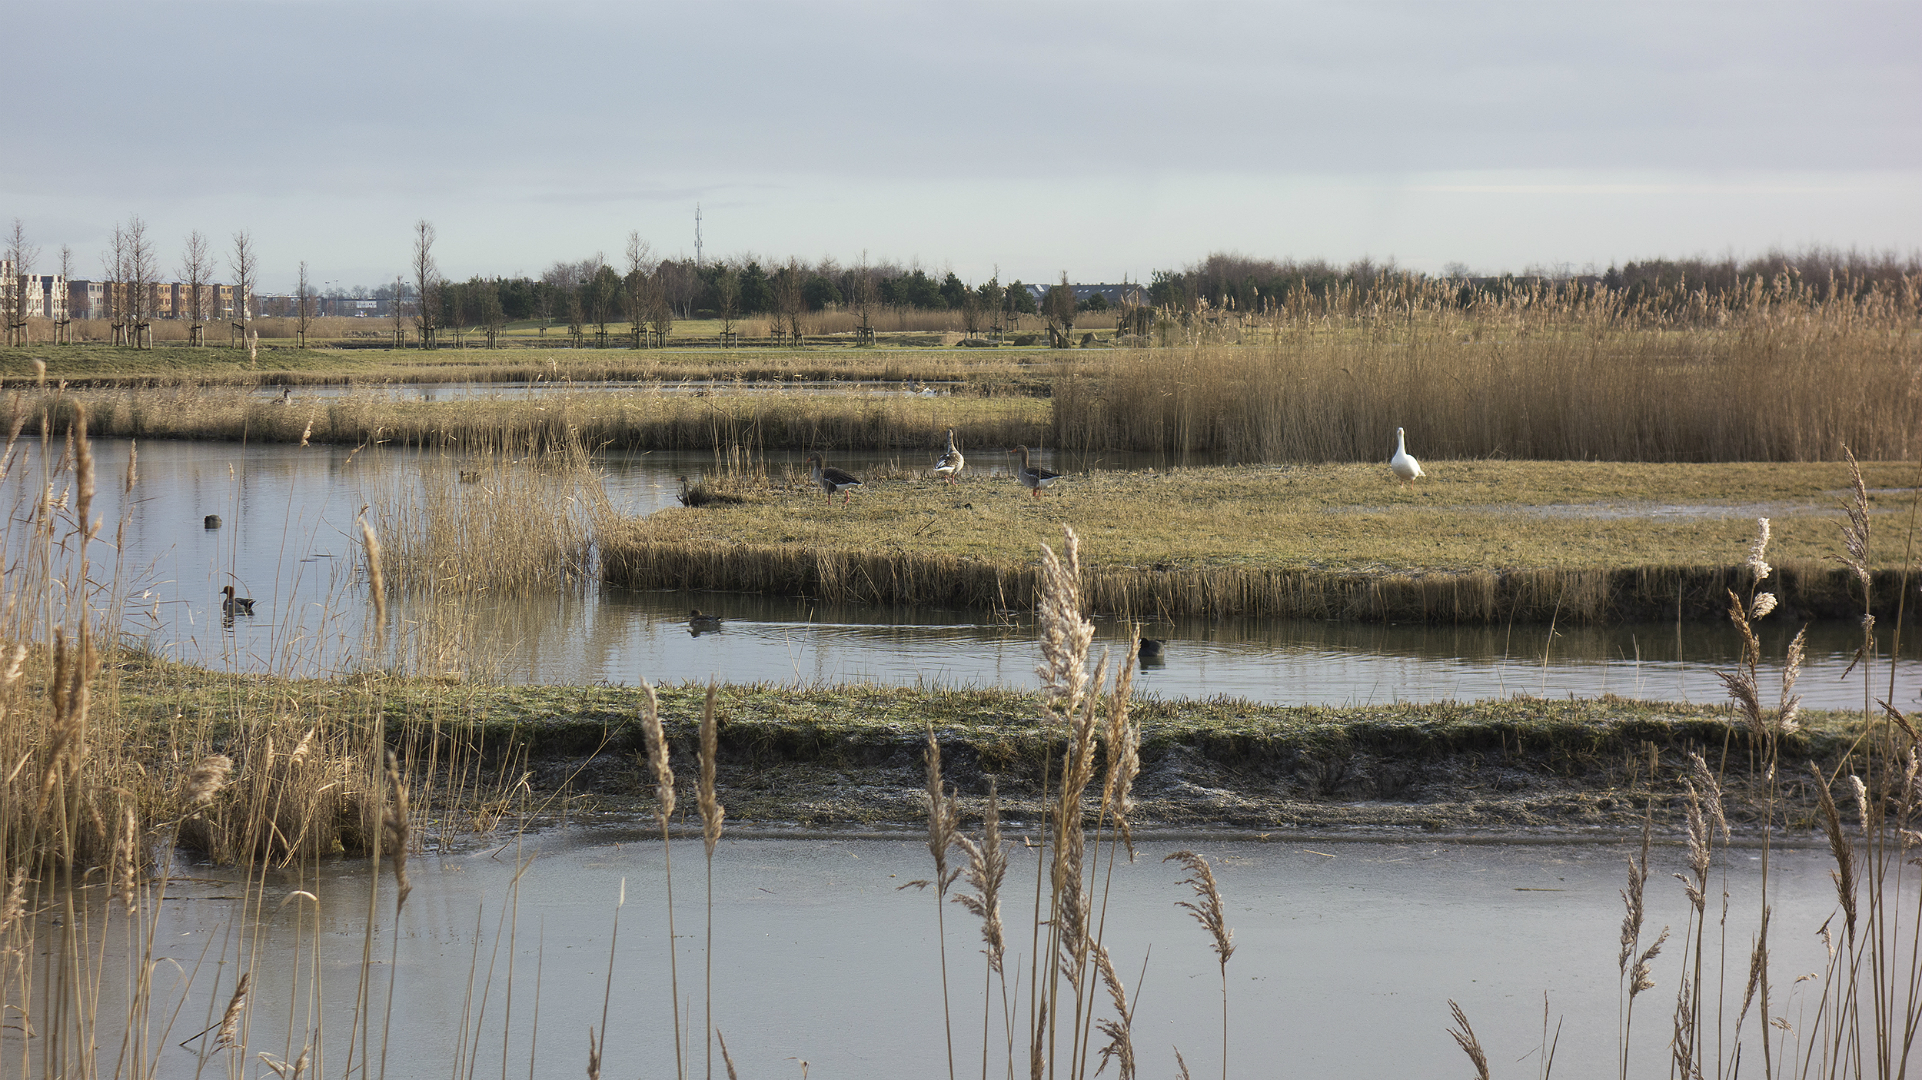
950,462
1406,467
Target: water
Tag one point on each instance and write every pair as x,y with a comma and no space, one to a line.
288,539
1346,956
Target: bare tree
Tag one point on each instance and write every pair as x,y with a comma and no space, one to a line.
989,296
789,300
682,285
303,305
197,266
245,264
20,257
397,308
727,299
453,308
426,282
142,272
550,298
1058,306
488,309
600,295
113,264
63,326
640,267
863,294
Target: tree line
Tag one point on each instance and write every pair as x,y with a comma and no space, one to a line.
1251,284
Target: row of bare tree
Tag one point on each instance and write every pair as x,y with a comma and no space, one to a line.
131,276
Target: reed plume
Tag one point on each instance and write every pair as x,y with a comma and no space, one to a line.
1120,1029
1465,1038
376,586
204,781
230,1019
656,741
986,870
1844,873
712,814
944,825
1207,910
396,831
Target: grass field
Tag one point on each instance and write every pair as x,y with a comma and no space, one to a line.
1482,541
1007,369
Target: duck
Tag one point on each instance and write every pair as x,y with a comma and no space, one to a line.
950,462
1151,648
833,480
697,623
236,605
1406,467
1034,477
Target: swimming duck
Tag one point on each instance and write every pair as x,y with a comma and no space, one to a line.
832,480
1034,477
236,605
697,623
1151,648
1405,467
950,461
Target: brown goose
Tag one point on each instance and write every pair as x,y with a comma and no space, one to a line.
1033,477
833,480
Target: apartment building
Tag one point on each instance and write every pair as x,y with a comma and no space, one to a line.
45,293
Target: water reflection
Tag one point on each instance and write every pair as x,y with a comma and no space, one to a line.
1346,955
287,538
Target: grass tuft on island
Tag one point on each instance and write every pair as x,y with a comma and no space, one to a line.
1476,541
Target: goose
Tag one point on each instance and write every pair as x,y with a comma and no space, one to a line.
236,605
1034,477
950,462
1405,467
697,622
832,480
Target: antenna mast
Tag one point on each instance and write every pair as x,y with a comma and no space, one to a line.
697,236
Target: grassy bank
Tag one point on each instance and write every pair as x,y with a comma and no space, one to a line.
1004,369
643,419
1474,542
852,755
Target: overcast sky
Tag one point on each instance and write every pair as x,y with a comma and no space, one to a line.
1102,139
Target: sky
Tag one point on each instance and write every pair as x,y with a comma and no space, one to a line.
1101,140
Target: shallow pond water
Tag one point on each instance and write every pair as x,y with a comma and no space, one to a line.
1346,955
287,539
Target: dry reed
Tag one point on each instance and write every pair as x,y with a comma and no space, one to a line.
1549,373
1207,910
1465,1038
657,749
712,815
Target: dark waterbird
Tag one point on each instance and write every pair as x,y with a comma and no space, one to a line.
236,605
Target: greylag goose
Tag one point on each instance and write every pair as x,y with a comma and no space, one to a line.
950,461
236,605
1034,477
1406,467
833,481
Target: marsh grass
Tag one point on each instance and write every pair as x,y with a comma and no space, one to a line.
1557,373
1859,1015
1493,542
640,419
